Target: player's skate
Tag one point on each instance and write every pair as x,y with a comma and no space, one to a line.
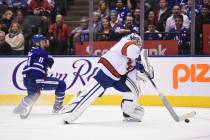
23,111
57,107
19,109
25,107
25,114
136,116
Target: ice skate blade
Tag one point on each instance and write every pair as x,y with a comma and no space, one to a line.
131,120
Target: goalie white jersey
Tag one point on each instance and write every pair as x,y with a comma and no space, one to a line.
120,59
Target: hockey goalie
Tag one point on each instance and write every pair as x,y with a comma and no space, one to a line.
121,68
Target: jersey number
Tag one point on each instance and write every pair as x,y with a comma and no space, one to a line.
41,60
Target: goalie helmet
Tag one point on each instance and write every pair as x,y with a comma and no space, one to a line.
136,37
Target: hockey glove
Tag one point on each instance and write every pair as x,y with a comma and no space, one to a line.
139,66
40,84
50,61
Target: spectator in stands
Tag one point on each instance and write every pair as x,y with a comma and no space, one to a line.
3,7
152,33
114,22
136,17
121,9
51,2
5,48
81,33
170,22
103,9
151,5
96,22
133,4
16,4
58,7
7,19
26,28
3,27
186,8
15,39
105,31
204,18
162,14
206,2
150,18
127,27
59,36
182,34
171,3
40,7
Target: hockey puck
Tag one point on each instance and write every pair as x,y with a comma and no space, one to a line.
65,122
187,120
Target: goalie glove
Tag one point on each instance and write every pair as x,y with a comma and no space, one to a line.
139,66
143,67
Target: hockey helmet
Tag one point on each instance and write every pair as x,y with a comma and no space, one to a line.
37,38
136,37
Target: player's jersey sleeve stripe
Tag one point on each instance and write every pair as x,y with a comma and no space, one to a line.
33,68
125,47
38,64
109,66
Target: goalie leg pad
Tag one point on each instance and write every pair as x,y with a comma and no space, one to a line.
82,100
133,84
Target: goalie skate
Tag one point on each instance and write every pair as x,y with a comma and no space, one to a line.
136,116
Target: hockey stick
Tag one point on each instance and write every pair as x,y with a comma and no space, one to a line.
169,107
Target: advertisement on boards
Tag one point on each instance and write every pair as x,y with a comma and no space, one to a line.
182,76
154,48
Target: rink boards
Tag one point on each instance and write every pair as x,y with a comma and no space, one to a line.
184,80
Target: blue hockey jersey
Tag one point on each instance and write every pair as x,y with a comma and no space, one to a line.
37,63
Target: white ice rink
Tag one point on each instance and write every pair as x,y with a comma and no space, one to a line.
103,123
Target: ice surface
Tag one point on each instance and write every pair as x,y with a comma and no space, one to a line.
104,123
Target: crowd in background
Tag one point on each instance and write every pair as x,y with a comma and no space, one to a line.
164,20
21,19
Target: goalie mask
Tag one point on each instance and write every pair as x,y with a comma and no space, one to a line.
135,37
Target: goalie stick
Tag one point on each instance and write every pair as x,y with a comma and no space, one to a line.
169,107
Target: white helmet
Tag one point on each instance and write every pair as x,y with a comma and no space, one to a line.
136,37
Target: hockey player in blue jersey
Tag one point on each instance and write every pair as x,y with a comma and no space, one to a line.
35,78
